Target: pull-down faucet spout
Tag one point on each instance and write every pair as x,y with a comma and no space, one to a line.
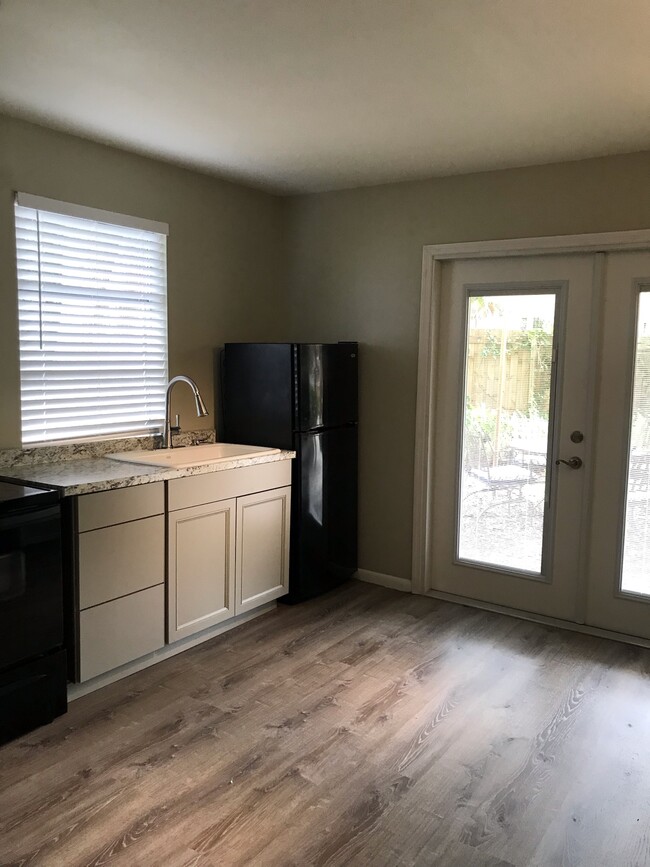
201,410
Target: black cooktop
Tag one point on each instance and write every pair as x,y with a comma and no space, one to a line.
16,497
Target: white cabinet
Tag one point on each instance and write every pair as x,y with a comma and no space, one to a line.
201,567
262,547
218,546
228,544
120,544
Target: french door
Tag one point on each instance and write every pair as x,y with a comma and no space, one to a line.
540,495
618,585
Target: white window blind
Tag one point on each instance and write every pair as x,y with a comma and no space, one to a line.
92,305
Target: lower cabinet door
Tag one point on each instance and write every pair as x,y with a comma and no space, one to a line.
201,582
121,630
262,547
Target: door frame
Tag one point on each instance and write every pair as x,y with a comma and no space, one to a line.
433,255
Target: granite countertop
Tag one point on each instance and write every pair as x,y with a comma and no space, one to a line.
90,474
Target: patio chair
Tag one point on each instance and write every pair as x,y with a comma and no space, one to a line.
482,463
509,502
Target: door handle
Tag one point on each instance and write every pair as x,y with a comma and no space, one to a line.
575,462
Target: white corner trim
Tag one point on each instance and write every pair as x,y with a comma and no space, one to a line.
390,581
424,419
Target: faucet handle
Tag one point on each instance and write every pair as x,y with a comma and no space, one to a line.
175,428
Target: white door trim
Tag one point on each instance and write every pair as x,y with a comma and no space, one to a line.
599,242
432,257
540,618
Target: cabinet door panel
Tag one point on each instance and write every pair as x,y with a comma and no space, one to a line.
262,547
201,567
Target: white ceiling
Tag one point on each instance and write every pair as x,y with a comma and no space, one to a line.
301,95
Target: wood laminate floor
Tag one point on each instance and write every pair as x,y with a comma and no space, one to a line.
366,728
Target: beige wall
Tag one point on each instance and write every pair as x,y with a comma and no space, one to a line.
225,253
355,274
244,265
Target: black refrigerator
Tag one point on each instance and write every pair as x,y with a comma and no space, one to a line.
303,396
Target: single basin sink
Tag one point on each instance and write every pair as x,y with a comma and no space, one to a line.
192,456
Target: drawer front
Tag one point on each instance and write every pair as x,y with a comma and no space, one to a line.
106,508
120,631
226,484
118,560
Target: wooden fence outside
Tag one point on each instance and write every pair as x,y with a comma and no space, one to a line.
523,383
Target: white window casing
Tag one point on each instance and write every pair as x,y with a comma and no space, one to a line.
92,308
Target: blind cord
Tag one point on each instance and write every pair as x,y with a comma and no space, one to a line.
40,284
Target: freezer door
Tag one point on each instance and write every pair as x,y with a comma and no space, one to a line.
324,521
327,385
257,394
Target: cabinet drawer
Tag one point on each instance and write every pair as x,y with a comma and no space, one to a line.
118,560
226,484
121,631
106,508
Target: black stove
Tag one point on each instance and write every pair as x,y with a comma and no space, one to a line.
16,497
33,677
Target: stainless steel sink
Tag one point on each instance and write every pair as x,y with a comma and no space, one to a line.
192,456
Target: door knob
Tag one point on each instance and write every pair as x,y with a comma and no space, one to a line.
575,462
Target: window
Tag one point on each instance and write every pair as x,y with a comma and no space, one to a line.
92,309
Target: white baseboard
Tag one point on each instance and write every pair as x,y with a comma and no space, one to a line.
391,581
77,690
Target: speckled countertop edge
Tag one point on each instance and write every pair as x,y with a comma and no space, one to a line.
89,475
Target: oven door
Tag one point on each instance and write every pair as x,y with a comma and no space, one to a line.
31,604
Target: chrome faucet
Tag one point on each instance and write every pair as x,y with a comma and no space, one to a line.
201,411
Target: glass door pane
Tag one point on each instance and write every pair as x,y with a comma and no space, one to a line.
506,422
635,574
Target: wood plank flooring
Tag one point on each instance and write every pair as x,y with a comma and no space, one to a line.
368,727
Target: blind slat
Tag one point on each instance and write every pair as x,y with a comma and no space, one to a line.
92,305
